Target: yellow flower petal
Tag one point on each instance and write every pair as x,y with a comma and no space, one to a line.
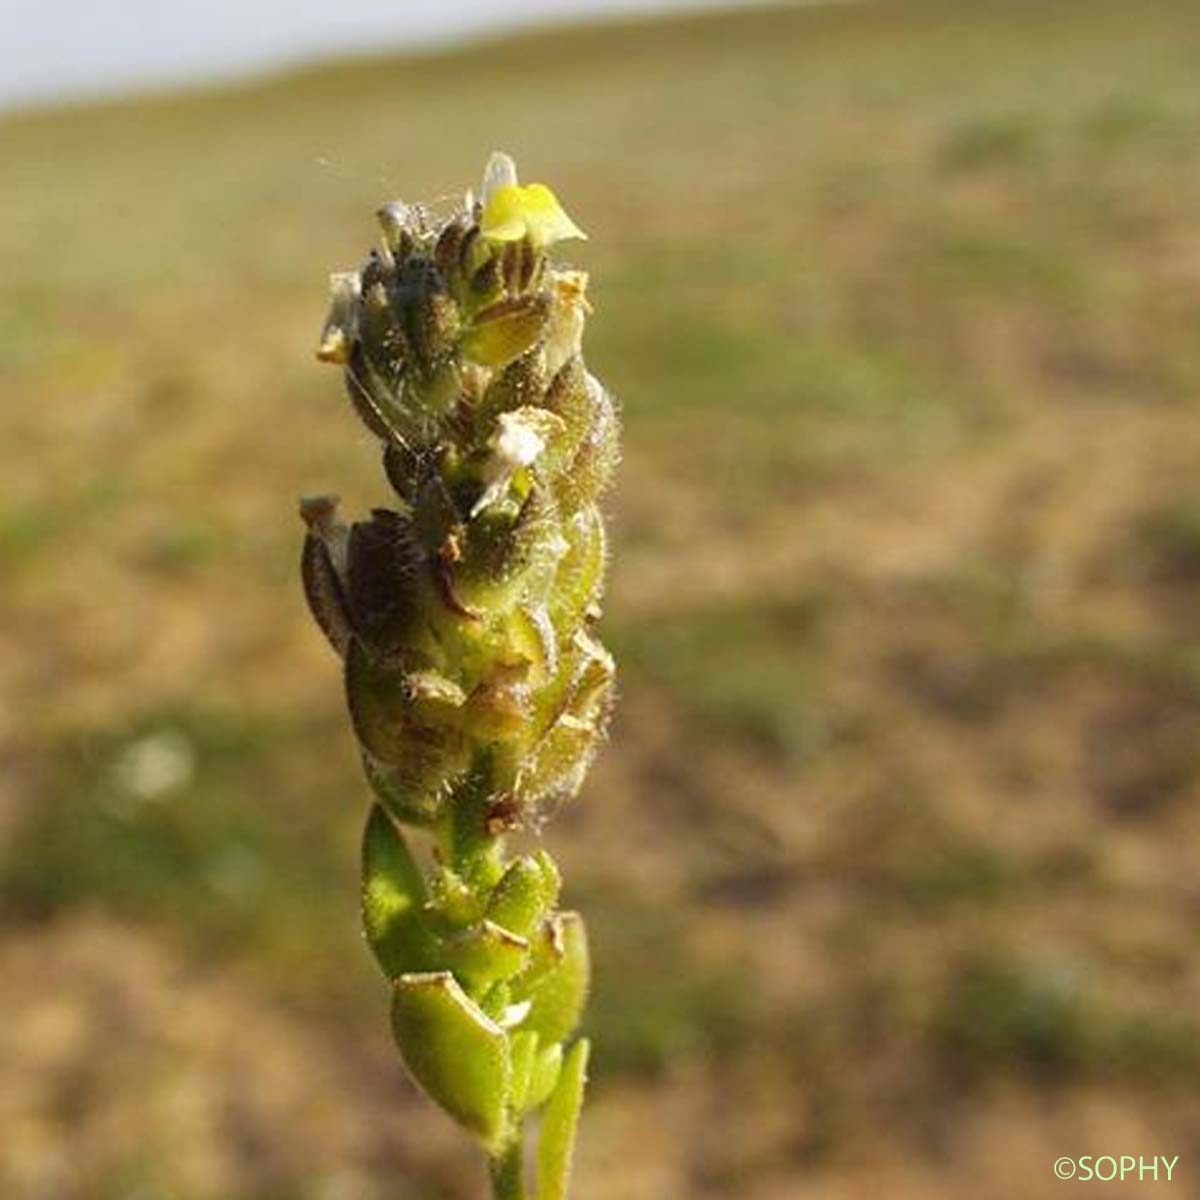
532,211
545,217
503,217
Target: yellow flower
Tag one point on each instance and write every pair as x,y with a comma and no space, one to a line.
532,210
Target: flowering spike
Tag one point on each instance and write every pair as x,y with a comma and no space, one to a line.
464,617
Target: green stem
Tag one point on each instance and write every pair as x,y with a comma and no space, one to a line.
467,844
507,1169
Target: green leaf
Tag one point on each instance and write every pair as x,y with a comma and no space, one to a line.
392,898
556,982
558,1126
456,1053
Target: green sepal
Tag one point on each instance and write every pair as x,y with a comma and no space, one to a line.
435,392
518,263
385,344
523,1050
501,551
550,428
451,903
465,840
375,698
556,982
486,284
401,723
376,399
557,1142
532,636
579,575
435,515
585,670
448,247
324,591
547,1067
505,330
554,771
497,711
522,382
525,893
403,466
590,471
432,694
404,803
485,954
535,1071
497,1003
394,219
393,896
453,1050
569,396
434,326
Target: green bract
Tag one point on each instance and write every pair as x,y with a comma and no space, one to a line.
464,613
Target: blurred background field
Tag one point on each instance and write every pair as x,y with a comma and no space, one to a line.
891,865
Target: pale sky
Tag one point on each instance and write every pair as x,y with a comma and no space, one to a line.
76,48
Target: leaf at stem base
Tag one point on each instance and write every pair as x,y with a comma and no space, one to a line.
557,1142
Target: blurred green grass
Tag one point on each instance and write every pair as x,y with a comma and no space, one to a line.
901,301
